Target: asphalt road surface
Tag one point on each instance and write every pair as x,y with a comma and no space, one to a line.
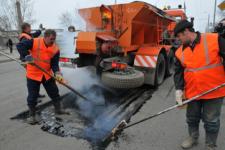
165,132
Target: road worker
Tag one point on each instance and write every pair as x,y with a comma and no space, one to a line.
26,32
198,68
27,35
44,53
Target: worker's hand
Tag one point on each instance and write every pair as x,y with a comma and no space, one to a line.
179,96
24,64
59,77
29,59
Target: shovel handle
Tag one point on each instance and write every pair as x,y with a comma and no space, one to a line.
40,68
62,83
175,106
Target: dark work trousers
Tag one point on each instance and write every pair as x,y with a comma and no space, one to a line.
34,88
11,49
209,111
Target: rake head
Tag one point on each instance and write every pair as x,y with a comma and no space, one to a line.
118,129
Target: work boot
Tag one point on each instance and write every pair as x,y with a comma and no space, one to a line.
208,147
32,116
211,139
59,110
189,143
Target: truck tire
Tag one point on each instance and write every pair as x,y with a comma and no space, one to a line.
111,79
160,69
170,62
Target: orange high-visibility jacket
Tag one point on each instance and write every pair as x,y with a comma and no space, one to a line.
42,57
203,68
25,35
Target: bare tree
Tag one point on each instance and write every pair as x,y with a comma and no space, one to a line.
27,11
71,19
8,13
66,19
5,23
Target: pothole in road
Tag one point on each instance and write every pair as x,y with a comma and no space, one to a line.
91,120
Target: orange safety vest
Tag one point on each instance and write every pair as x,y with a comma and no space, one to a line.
25,35
203,68
42,57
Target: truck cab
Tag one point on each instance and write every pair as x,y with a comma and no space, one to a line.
66,40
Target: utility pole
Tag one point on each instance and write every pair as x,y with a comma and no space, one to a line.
19,14
214,15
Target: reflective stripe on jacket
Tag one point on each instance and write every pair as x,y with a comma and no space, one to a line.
25,35
42,56
203,67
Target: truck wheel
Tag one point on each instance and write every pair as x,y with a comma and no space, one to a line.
170,62
123,81
160,70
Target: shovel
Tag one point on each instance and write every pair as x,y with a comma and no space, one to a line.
123,125
42,69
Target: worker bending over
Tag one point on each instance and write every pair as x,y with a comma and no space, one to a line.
44,53
199,67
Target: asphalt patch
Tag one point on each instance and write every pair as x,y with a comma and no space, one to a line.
87,119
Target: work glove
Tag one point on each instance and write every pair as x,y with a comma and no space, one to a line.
29,59
59,77
179,96
23,63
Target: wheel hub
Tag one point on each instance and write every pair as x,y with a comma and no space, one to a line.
124,72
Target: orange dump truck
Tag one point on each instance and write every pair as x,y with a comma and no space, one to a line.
129,44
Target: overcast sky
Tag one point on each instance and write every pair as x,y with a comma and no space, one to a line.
47,12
